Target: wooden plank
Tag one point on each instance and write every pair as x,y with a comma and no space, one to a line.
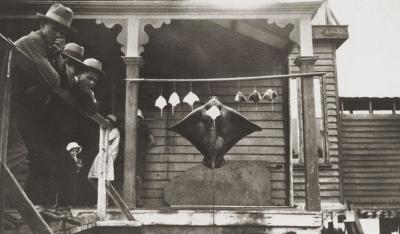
5,92
119,201
25,207
187,158
247,141
101,180
252,150
385,135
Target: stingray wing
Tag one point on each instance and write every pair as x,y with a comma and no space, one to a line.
232,127
194,129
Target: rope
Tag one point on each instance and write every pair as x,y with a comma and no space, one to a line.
305,75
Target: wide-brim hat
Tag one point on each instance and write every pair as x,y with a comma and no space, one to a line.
74,52
60,15
73,145
95,65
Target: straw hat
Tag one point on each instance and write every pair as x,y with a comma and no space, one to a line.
74,52
94,65
73,145
60,15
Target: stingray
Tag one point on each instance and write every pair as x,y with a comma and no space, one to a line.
214,129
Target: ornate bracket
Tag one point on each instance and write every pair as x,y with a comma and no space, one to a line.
122,37
143,37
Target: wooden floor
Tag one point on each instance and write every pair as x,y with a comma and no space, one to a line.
88,220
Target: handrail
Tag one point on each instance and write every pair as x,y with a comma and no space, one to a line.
64,94
19,58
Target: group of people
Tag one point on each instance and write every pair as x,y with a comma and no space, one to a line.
57,69
43,128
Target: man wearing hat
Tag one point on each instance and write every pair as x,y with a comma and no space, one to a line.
30,91
88,77
73,56
45,45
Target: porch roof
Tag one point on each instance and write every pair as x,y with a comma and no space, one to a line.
168,8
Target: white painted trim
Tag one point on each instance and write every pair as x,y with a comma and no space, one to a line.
271,217
306,44
132,47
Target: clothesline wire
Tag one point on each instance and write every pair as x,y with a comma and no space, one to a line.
306,75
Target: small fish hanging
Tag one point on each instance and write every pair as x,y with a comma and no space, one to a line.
191,98
255,97
161,103
270,95
240,97
174,101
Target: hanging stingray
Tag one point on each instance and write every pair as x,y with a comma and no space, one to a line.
255,97
270,95
191,97
174,101
214,129
161,103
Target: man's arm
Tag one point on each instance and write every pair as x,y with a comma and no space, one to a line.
48,76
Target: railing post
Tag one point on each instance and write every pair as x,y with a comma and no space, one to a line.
101,182
131,106
312,192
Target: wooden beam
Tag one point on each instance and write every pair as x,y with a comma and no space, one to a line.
312,199
5,91
25,207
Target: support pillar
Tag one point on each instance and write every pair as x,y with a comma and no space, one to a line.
312,191
131,106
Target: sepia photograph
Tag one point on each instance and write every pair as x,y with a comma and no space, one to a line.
199,117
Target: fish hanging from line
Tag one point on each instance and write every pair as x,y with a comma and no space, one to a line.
255,97
214,129
190,99
270,95
240,98
161,103
174,101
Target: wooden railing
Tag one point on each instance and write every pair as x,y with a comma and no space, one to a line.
12,56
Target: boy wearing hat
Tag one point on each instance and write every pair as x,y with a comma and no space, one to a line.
73,56
70,167
88,77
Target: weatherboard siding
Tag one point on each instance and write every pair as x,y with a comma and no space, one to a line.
329,176
371,160
172,154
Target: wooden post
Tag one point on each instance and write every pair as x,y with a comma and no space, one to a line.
101,182
312,199
131,106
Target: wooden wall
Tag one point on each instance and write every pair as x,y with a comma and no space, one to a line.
329,173
202,49
173,155
371,160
